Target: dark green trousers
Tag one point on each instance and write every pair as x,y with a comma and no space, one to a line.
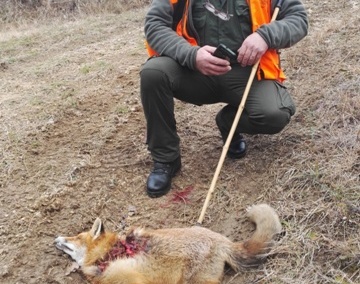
267,110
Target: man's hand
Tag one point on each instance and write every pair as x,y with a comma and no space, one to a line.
210,65
252,49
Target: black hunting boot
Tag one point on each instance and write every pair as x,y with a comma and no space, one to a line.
159,180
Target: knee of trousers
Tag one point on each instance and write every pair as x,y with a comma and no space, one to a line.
271,121
158,73
152,80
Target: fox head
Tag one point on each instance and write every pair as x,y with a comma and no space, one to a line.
87,247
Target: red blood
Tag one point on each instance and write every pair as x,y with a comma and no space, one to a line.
182,196
121,249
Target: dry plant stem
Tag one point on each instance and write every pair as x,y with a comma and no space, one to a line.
232,131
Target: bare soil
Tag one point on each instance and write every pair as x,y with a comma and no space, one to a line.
73,148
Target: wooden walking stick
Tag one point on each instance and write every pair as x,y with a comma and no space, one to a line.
234,125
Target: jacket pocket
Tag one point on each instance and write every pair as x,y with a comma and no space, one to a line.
242,12
199,14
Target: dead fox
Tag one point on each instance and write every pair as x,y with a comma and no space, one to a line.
194,255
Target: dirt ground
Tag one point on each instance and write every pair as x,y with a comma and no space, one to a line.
72,149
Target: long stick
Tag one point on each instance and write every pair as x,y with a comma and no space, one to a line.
233,127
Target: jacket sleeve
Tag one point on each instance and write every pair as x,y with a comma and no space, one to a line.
163,39
289,28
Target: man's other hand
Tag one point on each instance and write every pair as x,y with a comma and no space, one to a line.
252,49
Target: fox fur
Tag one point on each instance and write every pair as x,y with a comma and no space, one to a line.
193,255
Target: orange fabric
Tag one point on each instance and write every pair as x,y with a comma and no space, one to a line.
270,62
150,51
260,12
181,29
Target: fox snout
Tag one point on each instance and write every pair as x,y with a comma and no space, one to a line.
61,244
76,252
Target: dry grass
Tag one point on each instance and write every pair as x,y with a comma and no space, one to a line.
20,12
319,178
87,72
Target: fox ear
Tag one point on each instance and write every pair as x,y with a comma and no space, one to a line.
97,229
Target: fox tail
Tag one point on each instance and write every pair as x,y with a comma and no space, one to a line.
253,251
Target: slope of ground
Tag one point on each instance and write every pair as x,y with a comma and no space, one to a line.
72,148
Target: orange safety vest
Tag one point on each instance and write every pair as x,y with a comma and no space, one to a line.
269,67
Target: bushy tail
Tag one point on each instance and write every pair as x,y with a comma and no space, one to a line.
254,251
